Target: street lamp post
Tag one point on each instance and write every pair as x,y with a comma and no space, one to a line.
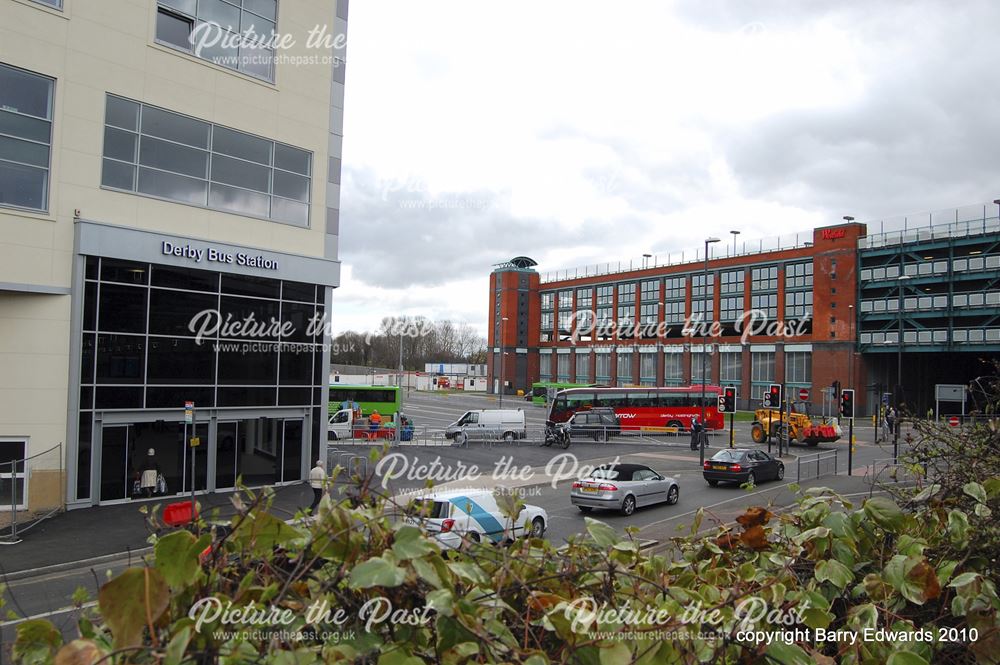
704,350
645,260
503,320
735,233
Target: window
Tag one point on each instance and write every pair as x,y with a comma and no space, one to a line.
762,366
582,367
25,138
602,365
624,368
698,289
562,366
565,300
673,369
565,320
626,292
548,300
764,279
731,368
732,282
798,304
605,295
151,151
584,298
799,275
651,290
766,303
647,367
12,473
626,315
700,307
676,288
648,315
696,367
57,4
673,312
731,309
236,34
798,367
547,323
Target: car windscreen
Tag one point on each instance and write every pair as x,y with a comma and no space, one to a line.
727,456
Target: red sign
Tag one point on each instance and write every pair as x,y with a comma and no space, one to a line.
833,234
803,395
953,421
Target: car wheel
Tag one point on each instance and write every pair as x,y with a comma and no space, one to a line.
713,483
675,423
673,495
332,436
751,479
508,437
628,505
462,439
585,509
781,471
537,527
757,433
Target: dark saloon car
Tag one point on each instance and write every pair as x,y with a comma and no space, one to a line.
742,465
598,424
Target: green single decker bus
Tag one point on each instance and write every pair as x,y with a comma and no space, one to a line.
384,399
542,392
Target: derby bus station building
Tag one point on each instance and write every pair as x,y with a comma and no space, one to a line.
888,308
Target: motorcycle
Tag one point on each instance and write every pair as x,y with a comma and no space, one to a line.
556,435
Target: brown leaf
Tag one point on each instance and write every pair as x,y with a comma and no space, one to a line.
755,538
727,541
78,652
754,516
541,601
924,576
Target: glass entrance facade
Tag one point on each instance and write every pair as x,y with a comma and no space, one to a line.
246,350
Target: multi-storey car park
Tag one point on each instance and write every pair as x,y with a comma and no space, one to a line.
807,310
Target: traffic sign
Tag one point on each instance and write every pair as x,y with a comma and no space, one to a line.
803,395
188,413
954,421
195,441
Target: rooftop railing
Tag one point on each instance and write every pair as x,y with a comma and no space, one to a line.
961,222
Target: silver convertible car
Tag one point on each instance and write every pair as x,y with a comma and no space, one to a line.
623,487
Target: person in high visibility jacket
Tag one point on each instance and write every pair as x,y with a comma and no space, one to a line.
375,420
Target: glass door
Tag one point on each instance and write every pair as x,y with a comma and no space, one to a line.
291,468
115,477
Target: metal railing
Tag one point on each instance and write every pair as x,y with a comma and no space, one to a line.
818,465
977,219
18,475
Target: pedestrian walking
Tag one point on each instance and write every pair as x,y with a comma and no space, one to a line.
890,420
317,479
696,430
150,477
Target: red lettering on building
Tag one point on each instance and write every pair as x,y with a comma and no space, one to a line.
833,234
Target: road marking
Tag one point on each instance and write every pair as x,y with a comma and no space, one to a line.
45,615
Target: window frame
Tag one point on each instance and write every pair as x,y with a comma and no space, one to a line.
14,475
50,110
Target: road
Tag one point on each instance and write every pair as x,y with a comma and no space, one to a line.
669,455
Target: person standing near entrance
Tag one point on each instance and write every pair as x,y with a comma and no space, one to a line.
890,420
317,479
150,474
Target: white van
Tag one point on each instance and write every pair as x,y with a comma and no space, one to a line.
451,516
488,424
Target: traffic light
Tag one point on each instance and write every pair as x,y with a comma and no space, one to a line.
727,400
772,398
847,403
836,389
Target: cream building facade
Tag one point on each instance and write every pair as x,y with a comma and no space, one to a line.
146,182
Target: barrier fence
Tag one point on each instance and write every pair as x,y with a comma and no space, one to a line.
29,482
815,466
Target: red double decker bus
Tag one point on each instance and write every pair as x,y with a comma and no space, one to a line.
643,407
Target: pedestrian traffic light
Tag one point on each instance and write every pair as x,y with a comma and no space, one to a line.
727,400
847,403
772,398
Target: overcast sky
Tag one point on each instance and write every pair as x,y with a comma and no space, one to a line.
580,132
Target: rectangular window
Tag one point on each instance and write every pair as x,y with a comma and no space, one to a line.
562,366
673,369
799,275
548,300
798,304
766,303
700,307
651,290
764,279
230,33
12,473
582,367
602,364
732,282
731,368
798,367
25,138
762,366
547,323
648,313
626,315
698,362
673,312
565,320
647,367
626,292
676,288
731,309
56,4
148,150
698,288
624,368
605,295
565,300
584,298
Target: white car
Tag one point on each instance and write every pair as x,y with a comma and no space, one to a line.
453,515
